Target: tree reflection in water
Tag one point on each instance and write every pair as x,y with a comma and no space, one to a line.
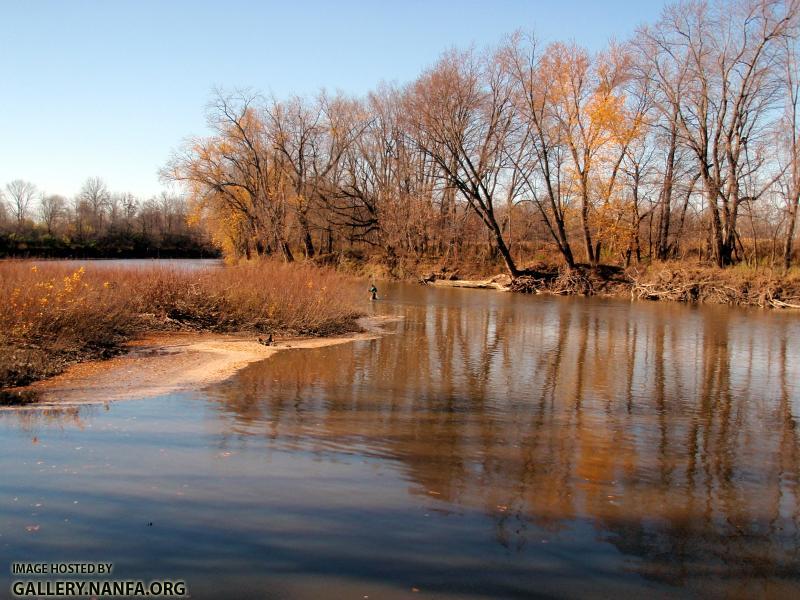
672,430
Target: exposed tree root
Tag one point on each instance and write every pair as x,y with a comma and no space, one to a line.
563,281
666,282
716,287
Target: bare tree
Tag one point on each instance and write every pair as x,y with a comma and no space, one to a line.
51,209
129,206
310,139
542,162
94,195
666,76
3,210
731,52
20,195
383,190
461,115
234,177
789,135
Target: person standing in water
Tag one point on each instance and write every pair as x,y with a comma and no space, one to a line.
373,292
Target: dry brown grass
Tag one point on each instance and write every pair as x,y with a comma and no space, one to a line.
53,314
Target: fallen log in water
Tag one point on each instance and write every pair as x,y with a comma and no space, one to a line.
499,282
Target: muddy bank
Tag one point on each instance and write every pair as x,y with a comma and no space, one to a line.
163,363
688,284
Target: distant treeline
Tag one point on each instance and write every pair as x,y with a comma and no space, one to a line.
135,245
96,224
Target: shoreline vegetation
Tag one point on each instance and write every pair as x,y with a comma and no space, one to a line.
675,282
53,315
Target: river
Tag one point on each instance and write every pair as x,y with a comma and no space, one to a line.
491,446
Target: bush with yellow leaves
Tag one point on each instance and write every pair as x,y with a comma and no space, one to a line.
53,314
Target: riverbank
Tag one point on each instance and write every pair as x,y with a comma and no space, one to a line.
53,315
158,364
678,282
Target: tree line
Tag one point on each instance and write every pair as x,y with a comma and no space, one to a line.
96,223
680,142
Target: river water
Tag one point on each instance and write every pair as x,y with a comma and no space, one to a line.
492,446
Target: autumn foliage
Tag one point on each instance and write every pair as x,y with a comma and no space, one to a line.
678,143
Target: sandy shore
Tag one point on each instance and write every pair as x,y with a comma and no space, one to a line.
172,362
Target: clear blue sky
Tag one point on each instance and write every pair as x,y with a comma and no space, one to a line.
110,88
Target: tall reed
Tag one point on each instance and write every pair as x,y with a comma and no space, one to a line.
52,314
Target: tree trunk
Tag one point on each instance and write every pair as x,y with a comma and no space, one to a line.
587,234
788,247
308,242
719,249
504,251
662,244
286,250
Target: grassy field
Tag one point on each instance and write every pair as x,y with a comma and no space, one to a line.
54,314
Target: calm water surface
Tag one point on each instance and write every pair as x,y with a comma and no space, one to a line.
188,264
494,446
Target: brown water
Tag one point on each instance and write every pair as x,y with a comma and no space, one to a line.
494,445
